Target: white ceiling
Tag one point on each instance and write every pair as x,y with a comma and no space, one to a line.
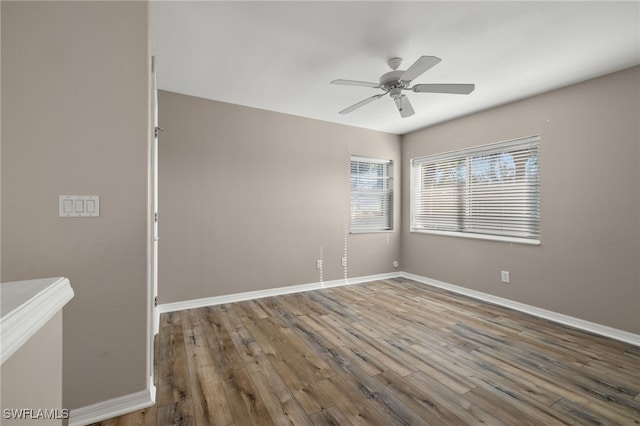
281,56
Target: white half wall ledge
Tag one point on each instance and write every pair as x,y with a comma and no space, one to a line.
26,306
113,407
577,323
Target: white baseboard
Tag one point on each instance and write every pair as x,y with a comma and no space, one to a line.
259,294
113,407
574,322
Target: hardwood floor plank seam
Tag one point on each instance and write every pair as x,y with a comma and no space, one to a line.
388,352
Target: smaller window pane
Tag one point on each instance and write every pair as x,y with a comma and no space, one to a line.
371,195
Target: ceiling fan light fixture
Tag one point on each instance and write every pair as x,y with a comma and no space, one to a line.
395,92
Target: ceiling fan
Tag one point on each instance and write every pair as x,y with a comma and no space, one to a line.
395,81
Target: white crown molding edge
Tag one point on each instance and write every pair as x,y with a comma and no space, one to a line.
21,323
592,327
113,407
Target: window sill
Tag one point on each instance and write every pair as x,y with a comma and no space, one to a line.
382,231
480,237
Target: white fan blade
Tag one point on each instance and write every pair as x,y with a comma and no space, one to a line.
457,89
356,83
421,65
361,103
404,106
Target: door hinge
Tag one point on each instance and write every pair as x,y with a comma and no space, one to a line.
157,130
155,302
155,217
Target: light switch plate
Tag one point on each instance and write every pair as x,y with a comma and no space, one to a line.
79,206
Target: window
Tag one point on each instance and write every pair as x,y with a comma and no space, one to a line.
490,192
371,195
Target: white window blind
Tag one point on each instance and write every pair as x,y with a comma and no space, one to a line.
371,195
491,192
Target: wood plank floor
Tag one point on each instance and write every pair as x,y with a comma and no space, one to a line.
391,352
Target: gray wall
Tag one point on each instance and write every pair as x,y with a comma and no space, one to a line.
75,120
587,265
32,377
248,197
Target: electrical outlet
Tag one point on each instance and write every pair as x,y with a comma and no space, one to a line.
344,262
505,276
319,264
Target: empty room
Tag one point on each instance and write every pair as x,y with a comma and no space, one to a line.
320,213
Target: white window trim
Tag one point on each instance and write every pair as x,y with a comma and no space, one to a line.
473,236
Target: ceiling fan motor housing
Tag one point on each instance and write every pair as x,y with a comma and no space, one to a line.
392,83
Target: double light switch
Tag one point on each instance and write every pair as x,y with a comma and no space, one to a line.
79,206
